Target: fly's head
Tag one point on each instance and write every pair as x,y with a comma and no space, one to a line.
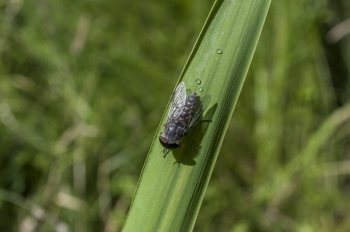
167,144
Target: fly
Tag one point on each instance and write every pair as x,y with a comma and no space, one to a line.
183,114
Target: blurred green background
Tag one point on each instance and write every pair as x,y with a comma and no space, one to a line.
84,84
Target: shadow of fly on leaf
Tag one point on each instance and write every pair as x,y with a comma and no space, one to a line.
184,114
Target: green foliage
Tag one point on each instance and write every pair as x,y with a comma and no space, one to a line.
83,86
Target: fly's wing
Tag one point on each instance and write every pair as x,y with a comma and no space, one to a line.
178,101
202,104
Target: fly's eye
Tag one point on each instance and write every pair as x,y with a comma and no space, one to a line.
167,144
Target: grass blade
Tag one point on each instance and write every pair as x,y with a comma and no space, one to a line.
169,195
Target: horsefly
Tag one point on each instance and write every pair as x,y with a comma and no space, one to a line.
183,115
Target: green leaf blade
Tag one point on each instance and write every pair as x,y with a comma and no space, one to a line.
170,190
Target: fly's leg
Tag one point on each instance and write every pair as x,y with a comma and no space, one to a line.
165,151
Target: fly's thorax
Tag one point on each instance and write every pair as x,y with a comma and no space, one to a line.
174,130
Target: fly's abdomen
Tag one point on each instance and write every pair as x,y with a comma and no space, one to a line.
189,110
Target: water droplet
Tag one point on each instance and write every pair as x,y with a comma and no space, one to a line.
200,89
219,51
198,81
